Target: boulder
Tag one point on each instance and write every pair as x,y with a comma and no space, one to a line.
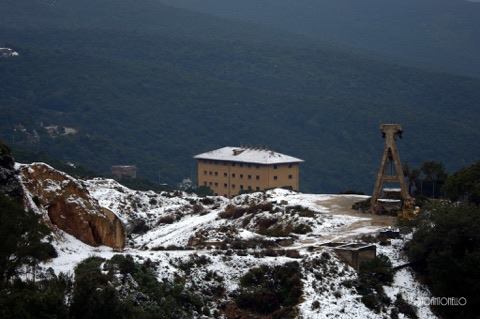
71,207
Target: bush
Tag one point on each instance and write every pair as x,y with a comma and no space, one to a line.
21,236
445,251
301,211
109,294
41,299
268,289
464,185
204,191
405,308
277,231
302,229
372,276
168,219
378,270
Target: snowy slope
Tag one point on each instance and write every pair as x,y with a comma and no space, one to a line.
171,229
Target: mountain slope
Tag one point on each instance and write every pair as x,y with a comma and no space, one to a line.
436,34
199,241
143,83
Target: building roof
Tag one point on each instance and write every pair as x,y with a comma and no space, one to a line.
248,155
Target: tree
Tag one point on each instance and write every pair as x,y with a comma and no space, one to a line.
445,250
21,235
434,173
412,174
204,191
464,185
268,289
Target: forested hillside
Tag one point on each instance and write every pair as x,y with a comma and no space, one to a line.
139,82
431,34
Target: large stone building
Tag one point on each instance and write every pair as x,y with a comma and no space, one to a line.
229,171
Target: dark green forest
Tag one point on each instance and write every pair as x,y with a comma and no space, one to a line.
146,84
436,34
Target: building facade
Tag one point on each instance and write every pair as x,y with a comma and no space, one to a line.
121,171
229,171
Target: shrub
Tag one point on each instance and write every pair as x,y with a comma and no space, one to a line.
108,294
168,219
372,276
21,237
302,229
204,191
378,270
464,184
41,299
232,212
277,231
268,289
301,211
264,223
445,251
405,308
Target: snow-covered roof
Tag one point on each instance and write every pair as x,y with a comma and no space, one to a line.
248,155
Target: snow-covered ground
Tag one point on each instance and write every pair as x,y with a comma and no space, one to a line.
172,220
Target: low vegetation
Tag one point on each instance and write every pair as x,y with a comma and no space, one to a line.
372,276
445,251
122,288
272,290
116,288
465,185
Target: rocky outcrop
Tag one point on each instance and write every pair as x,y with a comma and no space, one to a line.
70,206
9,184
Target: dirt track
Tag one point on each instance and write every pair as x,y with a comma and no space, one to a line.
342,205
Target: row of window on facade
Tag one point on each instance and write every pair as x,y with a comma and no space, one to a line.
233,186
233,175
239,164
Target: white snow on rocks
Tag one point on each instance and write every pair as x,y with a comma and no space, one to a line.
171,219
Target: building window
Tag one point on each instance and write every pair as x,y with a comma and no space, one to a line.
233,174
241,175
216,173
249,188
210,173
216,184
233,164
205,172
275,177
289,165
257,177
233,185
257,188
241,186
275,166
290,176
225,174
205,183
225,185
210,183
249,176
225,195
257,166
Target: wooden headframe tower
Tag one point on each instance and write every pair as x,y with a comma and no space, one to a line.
391,170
